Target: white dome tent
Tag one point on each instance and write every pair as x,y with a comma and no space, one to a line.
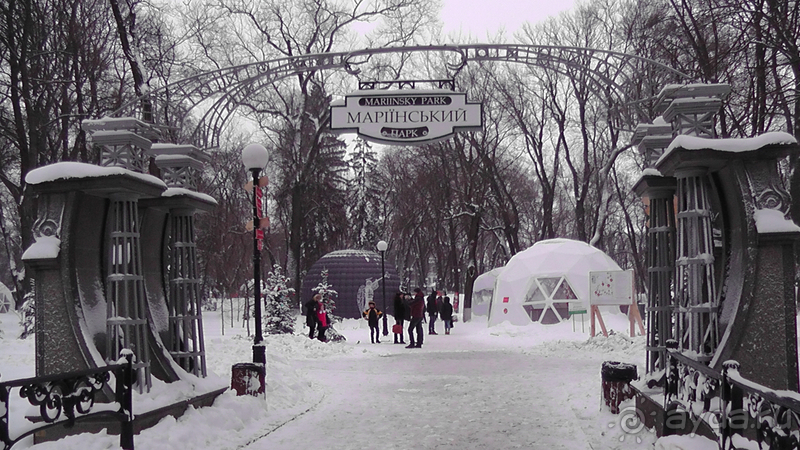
6,299
482,291
546,281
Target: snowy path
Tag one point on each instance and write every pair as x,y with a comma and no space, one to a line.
441,398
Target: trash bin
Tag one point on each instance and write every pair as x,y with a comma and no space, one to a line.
249,379
617,379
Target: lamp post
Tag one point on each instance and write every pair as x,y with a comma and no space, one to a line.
382,246
255,157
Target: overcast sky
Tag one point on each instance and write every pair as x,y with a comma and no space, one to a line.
477,17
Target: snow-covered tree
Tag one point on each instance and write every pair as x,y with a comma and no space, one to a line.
279,318
329,302
363,197
28,321
328,293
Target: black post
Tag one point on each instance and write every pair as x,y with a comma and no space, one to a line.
383,283
259,352
125,399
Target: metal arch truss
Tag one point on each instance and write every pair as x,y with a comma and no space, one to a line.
219,93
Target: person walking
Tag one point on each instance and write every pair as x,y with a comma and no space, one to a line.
372,314
323,321
417,308
433,312
447,314
399,317
312,306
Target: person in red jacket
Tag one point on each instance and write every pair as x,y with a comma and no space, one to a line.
323,321
417,308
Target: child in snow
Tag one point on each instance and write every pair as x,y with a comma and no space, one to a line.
372,314
447,315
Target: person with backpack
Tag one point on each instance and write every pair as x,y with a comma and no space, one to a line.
433,312
372,314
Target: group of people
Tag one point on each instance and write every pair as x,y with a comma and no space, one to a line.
316,317
413,309
406,307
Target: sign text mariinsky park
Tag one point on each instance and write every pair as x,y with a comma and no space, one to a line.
406,117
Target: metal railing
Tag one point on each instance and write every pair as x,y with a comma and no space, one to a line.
736,409
72,395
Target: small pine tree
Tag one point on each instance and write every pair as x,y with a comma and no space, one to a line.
278,298
329,302
328,294
28,320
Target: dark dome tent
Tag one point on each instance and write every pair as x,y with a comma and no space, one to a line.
356,276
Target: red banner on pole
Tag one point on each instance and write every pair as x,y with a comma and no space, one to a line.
259,202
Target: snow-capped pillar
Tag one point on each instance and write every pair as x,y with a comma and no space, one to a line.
180,167
695,284
56,352
124,141
691,109
652,139
658,193
763,332
735,265
126,323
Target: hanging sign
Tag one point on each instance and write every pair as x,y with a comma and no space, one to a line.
406,117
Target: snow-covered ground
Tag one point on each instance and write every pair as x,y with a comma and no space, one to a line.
531,387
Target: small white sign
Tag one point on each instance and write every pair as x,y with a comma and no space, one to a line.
406,117
612,287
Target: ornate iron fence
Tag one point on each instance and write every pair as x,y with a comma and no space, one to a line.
737,410
72,395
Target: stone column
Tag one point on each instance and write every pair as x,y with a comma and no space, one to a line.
659,193
180,167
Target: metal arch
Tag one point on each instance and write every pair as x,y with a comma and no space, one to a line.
229,86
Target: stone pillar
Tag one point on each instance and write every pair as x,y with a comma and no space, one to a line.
58,347
126,323
125,143
734,229
659,194
696,299
180,167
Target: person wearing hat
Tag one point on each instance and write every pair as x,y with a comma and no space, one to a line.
372,314
417,308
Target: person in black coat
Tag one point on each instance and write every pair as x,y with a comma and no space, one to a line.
433,311
447,315
312,308
417,307
373,314
399,317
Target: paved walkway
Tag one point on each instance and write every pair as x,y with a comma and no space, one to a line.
442,399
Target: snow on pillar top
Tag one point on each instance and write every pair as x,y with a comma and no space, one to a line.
691,108
180,165
125,141
652,139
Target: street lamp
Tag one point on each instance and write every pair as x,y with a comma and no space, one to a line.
382,246
255,158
